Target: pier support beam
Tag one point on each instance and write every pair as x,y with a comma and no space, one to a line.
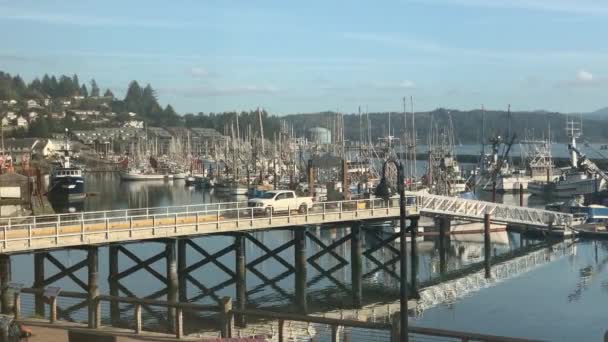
5,279
113,284
356,264
300,263
241,280
486,245
93,288
172,282
39,283
414,256
444,228
181,270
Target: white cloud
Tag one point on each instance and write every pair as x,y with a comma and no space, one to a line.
405,84
589,7
86,20
199,72
430,47
584,76
235,90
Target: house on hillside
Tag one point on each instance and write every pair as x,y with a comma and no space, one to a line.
33,104
22,122
6,122
134,124
59,115
11,115
85,112
28,148
32,116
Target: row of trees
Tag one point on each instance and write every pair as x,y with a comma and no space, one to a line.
14,87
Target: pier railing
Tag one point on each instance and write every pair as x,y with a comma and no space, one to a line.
18,234
272,326
500,213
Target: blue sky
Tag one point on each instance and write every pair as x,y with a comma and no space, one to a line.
289,56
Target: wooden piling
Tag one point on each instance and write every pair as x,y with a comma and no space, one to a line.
356,265
414,256
93,288
172,282
486,244
240,275
300,265
39,283
6,299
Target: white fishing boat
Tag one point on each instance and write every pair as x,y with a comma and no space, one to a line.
583,177
134,174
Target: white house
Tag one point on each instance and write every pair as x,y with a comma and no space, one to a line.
6,121
59,115
21,122
131,114
66,103
11,115
81,112
134,124
32,115
32,104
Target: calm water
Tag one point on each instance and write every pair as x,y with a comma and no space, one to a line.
562,300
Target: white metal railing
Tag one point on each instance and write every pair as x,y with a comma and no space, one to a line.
232,215
502,213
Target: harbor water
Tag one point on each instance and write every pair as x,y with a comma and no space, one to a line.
560,300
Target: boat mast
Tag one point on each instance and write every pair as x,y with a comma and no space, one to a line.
405,141
261,129
414,155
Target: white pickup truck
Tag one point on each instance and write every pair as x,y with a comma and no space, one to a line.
280,201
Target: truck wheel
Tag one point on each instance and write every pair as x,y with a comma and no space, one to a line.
302,208
268,211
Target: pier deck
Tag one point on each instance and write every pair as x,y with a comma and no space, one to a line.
24,234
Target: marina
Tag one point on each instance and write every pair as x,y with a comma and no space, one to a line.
234,171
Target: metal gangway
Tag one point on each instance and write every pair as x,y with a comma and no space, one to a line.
475,210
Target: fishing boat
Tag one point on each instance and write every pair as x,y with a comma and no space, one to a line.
137,174
582,177
66,181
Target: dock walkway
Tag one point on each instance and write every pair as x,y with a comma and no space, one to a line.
25,234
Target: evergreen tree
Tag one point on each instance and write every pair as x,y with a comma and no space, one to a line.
134,97
94,89
83,91
75,85
108,93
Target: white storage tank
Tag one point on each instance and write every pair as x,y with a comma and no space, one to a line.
319,135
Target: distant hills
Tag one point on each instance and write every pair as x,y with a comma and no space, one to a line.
600,114
467,125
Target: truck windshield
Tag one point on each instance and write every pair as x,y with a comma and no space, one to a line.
268,195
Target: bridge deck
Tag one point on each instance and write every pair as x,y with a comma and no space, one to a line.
23,234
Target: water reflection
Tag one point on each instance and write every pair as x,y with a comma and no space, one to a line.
271,277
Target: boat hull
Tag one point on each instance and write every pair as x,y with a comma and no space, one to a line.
67,189
143,177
